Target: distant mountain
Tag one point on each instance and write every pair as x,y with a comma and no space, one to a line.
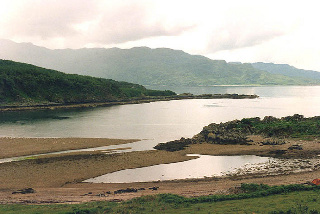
27,84
146,66
286,70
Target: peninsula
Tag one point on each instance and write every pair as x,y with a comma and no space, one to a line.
28,87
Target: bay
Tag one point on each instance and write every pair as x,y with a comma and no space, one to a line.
162,121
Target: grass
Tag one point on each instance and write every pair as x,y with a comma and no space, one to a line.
297,201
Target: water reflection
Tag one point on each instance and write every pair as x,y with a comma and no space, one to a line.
204,166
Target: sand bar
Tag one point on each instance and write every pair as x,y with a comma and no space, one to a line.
14,147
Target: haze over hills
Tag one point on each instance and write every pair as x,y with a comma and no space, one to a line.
286,70
147,66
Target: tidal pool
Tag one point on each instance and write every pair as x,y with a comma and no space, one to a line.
204,166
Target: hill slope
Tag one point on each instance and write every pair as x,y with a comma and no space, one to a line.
28,84
146,66
286,70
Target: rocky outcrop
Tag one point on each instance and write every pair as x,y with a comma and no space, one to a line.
175,145
237,132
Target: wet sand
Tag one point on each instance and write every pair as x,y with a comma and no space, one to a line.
59,170
14,147
57,178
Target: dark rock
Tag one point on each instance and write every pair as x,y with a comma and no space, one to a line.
154,188
24,191
295,147
175,145
273,142
119,191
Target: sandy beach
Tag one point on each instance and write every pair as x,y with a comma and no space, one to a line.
57,178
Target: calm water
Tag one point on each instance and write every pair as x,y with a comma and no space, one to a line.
163,121
206,166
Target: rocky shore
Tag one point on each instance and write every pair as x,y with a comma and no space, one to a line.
269,131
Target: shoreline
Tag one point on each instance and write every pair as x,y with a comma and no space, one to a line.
53,106
16,147
57,178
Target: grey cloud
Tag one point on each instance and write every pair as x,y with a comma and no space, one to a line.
111,22
130,23
50,18
235,40
245,30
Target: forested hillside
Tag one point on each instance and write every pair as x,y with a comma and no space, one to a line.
29,84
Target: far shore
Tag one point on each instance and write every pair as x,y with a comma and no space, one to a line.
52,106
58,178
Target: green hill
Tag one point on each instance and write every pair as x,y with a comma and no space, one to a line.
147,66
29,84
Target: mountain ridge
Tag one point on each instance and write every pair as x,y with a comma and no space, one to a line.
286,69
146,66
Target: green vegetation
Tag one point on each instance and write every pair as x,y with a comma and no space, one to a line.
236,132
254,198
296,126
146,66
28,84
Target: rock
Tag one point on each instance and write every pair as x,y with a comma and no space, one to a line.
24,191
125,190
273,142
154,188
296,146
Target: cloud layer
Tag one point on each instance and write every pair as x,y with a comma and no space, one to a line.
245,30
78,22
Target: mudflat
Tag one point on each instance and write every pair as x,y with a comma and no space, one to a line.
58,178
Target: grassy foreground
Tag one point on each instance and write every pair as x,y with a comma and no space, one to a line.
253,198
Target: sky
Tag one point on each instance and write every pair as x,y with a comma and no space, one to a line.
277,31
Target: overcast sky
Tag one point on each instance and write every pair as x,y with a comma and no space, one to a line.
278,31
